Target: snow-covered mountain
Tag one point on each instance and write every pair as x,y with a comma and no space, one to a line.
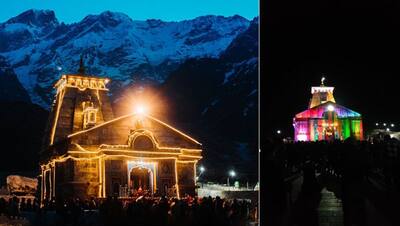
39,48
217,99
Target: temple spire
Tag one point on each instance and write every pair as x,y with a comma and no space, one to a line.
81,69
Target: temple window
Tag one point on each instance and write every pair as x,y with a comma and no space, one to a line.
101,85
89,114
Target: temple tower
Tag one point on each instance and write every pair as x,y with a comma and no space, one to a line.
321,94
80,102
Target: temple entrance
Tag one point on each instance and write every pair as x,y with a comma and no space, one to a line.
330,123
140,181
330,133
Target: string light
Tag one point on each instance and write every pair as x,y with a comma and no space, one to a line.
195,177
142,164
130,115
46,167
176,180
180,152
112,152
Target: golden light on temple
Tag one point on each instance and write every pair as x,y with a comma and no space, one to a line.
141,109
129,136
142,100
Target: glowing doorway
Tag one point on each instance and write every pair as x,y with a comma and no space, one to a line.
142,176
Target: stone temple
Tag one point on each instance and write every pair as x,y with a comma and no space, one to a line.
88,152
325,119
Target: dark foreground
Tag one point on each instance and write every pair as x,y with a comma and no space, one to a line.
142,211
333,183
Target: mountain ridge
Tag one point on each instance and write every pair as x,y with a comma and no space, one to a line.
211,93
40,48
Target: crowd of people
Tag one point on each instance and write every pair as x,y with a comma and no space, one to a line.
142,210
351,163
13,206
378,158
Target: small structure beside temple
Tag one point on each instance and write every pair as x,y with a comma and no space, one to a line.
325,119
88,152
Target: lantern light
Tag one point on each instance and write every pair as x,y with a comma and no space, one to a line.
331,108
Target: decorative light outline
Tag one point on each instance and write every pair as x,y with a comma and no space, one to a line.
64,158
129,115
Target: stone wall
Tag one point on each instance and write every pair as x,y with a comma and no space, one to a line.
186,178
165,176
116,172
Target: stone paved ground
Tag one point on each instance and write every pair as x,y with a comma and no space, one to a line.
330,210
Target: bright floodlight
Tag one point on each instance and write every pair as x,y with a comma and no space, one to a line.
331,108
392,125
278,132
384,124
202,169
387,129
377,124
232,173
141,110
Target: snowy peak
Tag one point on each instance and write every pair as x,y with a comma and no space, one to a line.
40,18
107,19
26,29
39,48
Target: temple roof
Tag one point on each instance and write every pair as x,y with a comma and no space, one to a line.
318,111
119,129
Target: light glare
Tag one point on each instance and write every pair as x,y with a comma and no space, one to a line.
141,110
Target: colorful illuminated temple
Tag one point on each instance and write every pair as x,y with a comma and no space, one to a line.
325,119
89,152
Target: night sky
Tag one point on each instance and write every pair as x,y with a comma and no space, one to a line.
356,46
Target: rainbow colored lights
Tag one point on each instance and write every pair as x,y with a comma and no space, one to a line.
326,120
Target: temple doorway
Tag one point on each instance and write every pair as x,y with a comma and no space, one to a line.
330,133
141,180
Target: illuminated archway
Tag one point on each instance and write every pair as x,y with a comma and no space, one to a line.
142,140
142,174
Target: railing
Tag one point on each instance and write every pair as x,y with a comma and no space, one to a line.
220,187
